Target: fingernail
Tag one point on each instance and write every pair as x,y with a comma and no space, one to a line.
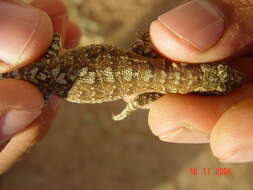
200,23
18,25
14,121
242,155
16,21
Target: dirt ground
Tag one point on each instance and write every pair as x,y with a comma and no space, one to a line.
85,149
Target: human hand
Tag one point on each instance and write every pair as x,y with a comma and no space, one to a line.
207,31
26,33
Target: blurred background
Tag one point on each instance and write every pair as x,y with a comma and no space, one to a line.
85,149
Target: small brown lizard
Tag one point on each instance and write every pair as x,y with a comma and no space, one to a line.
102,73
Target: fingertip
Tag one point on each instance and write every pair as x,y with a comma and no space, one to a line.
169,121
58,13
179,50
17,112
198,114
25,139
174,111
231,138
203,31
12,87
25,34
170,45
39,42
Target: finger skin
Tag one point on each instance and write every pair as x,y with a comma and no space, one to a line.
29,97
236,40
195,113
231,138
24,140
16,112
73,35
25,35
58,13
176,118
8,127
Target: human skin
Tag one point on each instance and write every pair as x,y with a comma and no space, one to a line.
26,33
224,122
207,31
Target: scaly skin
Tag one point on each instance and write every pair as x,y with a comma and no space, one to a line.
103,73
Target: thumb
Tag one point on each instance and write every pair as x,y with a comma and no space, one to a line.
204,30
25,34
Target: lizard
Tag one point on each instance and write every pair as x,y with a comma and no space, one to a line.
103,73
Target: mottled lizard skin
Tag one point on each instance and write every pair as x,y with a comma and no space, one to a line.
103,73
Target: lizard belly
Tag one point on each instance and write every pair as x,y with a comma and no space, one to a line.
112,83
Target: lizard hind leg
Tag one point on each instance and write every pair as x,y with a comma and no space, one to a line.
135,103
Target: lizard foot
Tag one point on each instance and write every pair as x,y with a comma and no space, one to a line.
135,103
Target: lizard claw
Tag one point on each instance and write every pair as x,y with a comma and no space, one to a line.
118,117
135,103
130,107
